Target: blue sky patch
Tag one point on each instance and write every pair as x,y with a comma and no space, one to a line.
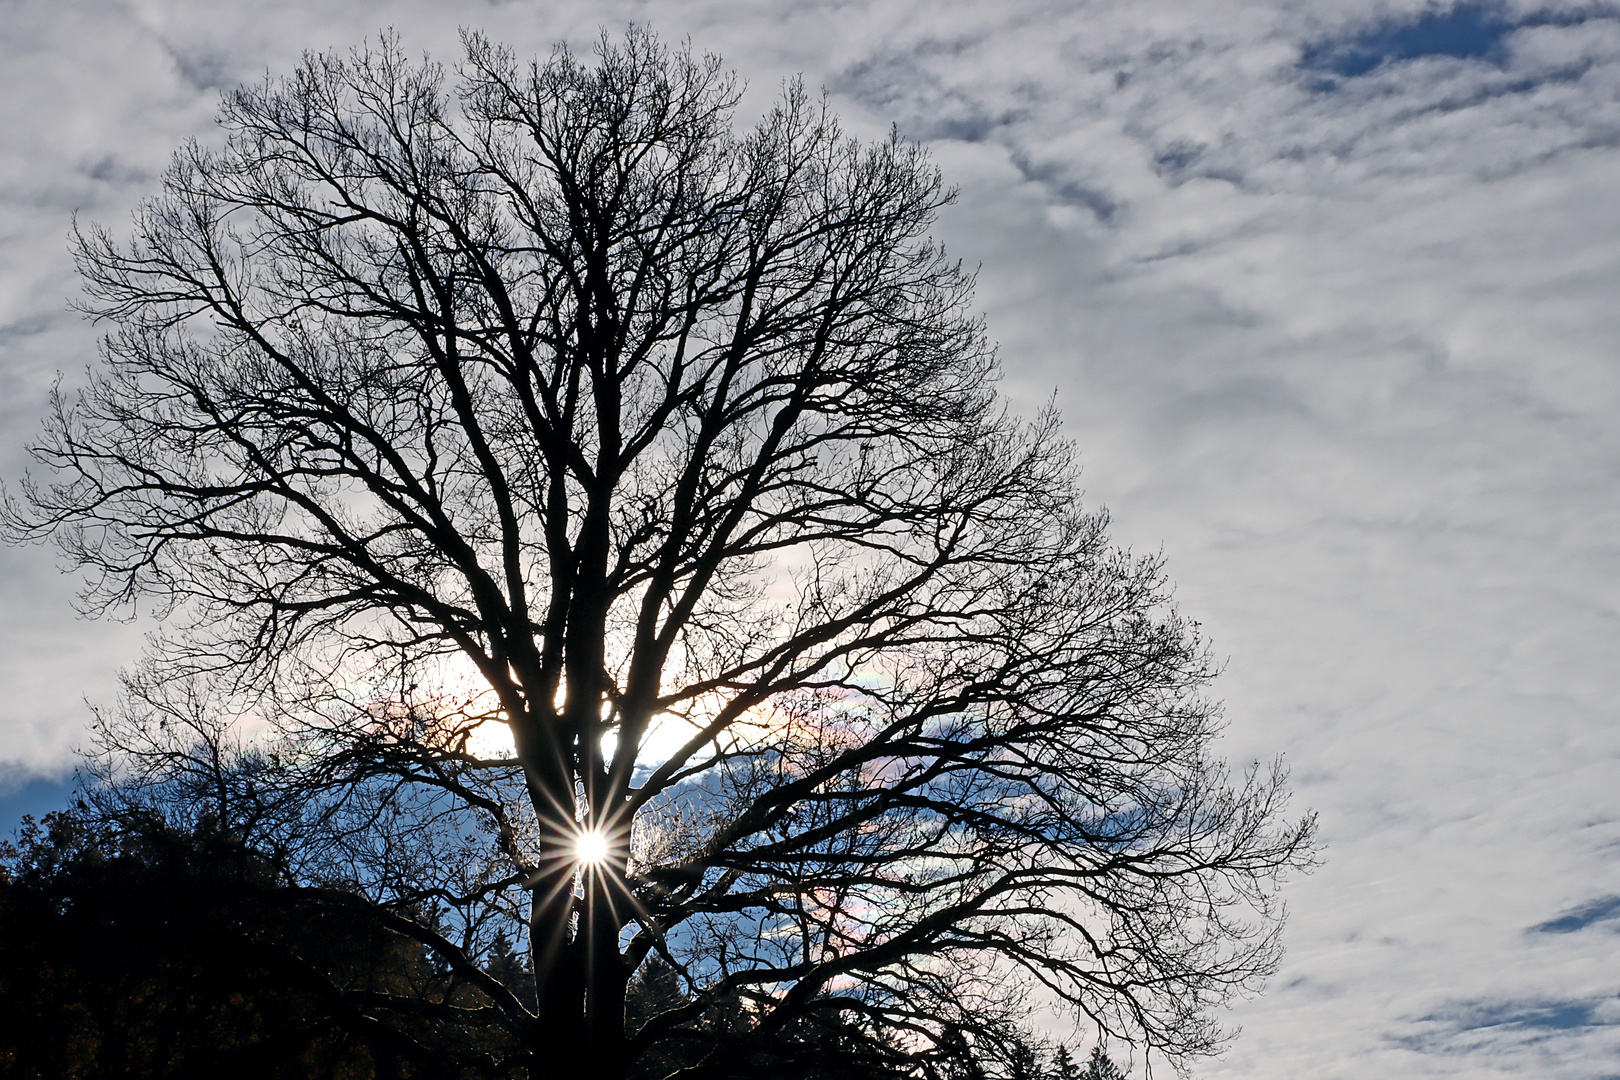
1467,31
1545,1015
1603,909
35,795
1459,1026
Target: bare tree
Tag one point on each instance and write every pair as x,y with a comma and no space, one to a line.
554,407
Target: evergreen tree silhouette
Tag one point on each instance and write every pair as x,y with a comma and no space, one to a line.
1101,1066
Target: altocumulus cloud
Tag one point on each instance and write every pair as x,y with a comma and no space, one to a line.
1326,292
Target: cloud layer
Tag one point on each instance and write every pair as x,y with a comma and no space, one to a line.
1327,294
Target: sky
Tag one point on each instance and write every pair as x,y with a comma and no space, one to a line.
1328,293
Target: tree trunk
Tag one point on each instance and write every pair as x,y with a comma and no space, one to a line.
553,945
605,978
555,1046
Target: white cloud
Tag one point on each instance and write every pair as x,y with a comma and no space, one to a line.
1346,346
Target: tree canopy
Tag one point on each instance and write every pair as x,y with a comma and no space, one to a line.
586,528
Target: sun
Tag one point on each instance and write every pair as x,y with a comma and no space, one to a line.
591,847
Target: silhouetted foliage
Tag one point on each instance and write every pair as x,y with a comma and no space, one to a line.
149,954
1101,1067
557,408
141,953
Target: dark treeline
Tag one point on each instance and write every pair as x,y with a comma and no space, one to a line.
153,954
145,952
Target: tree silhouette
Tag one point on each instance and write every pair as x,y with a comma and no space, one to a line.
579,522
1101,1067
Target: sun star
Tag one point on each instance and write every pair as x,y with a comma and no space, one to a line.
591,847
